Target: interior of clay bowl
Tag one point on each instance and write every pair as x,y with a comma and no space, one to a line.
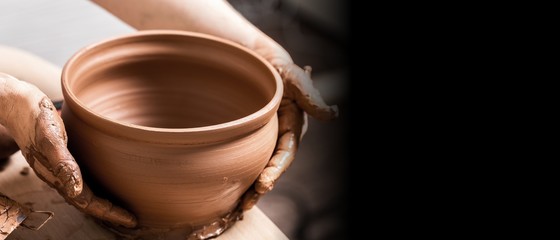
170,81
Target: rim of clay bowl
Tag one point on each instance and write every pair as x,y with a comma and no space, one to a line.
195,135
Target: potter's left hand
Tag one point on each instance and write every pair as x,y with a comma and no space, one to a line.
300,98
32,120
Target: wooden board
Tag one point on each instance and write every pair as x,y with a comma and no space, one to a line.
20,183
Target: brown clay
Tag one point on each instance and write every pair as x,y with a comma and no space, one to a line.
12,215
176,126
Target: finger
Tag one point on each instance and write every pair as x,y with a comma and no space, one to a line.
290,123
278,164
90,204
291,120
49,155
299,86
32,120
249,199
63,171
7,144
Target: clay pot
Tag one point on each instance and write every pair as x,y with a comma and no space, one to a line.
174,126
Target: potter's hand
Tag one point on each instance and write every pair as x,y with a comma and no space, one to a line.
30,117
300,98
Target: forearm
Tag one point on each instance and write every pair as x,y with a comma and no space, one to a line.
30,68
214,17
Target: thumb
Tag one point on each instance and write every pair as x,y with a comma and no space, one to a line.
299,87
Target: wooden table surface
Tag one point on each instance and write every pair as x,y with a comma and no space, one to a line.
20,183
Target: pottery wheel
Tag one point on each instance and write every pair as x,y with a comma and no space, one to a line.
20,183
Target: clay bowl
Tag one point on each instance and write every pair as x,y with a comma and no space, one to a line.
174,126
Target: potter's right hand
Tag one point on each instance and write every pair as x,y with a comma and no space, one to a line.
31,119
300,99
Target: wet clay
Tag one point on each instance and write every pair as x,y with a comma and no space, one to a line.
173,126
12,215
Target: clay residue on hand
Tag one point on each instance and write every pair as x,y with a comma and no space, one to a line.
48,154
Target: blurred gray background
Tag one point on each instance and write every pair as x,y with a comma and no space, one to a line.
310,200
